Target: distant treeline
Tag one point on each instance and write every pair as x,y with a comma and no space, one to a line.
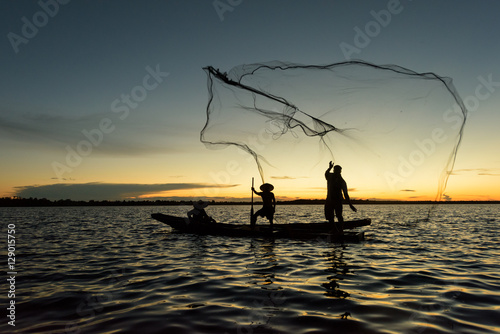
25,202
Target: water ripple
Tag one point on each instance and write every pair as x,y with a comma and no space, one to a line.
115,270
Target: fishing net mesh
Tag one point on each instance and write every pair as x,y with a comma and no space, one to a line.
394,131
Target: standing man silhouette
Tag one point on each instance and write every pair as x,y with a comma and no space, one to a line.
268,204
337,192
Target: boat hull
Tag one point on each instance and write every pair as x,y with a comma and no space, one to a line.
324,230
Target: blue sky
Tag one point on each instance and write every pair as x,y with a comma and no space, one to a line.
63,79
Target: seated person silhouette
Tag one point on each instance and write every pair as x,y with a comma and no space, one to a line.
199,215
268,204
337,192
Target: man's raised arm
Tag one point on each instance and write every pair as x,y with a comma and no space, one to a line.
328,170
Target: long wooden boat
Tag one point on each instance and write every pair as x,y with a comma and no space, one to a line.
293,230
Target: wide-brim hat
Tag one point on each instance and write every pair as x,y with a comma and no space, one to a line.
267,186
200,205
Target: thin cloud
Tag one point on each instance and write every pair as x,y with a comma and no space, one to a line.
478,171
104,191
56,132
63,178
417,197
191,198
35,127
288,177
408,190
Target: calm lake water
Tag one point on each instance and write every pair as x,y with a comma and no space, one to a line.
115,270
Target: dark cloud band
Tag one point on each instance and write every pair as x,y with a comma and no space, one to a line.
104,191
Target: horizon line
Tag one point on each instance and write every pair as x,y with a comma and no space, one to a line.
12,201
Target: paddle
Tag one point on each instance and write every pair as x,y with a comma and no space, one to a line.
251,210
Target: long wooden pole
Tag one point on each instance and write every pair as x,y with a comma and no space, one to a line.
251,210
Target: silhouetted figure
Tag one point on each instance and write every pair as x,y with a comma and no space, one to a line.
337,191
198,213
268,204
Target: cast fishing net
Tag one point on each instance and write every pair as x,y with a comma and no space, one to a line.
394,131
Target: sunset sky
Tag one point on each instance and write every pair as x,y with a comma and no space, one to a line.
106,99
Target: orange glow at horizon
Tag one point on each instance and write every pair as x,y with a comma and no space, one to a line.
318,194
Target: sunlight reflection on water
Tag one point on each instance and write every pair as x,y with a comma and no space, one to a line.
105,269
